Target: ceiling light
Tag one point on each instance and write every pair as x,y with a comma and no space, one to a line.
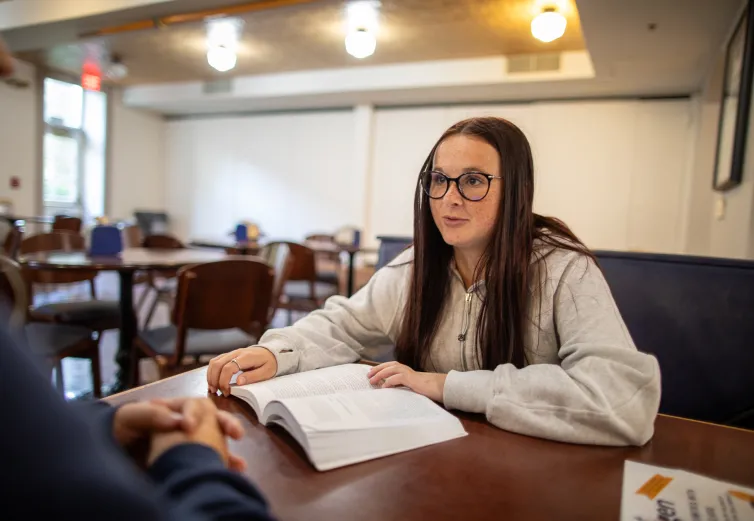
549,25
360,43
362,19
222,41
221,58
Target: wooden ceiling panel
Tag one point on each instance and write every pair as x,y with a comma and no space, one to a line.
310,36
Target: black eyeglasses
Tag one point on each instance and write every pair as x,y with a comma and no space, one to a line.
473,186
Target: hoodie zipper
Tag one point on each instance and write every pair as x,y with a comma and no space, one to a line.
465,328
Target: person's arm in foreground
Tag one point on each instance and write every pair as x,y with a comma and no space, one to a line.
56,465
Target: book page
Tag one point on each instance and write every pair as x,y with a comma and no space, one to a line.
364,410
651,492
319,382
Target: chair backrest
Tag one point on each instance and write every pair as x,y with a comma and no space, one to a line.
133,237
390,248
233,293
162,242
10,237
302,263
65,223
277,255
55,241
696,315
106,240
13,293
152,223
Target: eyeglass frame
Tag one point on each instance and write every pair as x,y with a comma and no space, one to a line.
457,181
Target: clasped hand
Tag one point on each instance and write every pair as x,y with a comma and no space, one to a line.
163,424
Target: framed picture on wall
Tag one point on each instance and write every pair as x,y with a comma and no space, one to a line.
735,105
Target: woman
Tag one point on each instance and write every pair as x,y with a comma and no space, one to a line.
494,310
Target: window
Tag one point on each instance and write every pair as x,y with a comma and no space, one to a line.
73,150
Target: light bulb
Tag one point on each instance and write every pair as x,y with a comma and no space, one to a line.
221,58
360,43
548,25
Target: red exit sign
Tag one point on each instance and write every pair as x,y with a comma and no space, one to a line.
91,79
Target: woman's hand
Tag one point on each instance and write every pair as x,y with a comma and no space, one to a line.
209,428
393,374
257,363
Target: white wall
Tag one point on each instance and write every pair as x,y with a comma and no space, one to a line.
19,120
721,223
614,171
137,160
291,173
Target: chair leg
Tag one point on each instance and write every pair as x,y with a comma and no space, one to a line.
143,298
96,370
135,372
290,317
151,311
59,384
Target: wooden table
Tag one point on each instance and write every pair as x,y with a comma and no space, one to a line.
490,474
128,262
253,247
242,247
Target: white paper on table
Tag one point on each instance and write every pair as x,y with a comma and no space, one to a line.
660,494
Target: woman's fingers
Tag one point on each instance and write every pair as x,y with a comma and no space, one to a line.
374,370
386,373
227,372
216,365
395,381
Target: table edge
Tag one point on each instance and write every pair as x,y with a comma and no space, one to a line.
368,362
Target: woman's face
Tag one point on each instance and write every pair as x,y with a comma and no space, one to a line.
464,224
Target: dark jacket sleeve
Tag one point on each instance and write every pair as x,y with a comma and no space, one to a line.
54,464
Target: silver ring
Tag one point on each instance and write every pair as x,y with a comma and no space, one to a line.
235,361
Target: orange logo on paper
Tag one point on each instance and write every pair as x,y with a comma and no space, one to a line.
742,496
654,486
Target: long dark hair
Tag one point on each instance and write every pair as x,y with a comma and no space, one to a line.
507,266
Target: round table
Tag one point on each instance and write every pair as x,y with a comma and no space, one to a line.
128,262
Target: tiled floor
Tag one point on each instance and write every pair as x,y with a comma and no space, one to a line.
76,372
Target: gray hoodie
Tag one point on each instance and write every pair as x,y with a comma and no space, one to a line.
585,382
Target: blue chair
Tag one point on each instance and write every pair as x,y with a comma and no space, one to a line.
242,233
390,248
105,241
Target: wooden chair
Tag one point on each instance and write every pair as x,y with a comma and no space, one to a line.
162,281
52,341
302,291
328,263
63,223
10,237
132,237
277,255
94,314
220,306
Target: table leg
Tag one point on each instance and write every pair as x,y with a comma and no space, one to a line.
351,255
127,332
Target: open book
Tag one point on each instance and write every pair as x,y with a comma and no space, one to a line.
340,419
